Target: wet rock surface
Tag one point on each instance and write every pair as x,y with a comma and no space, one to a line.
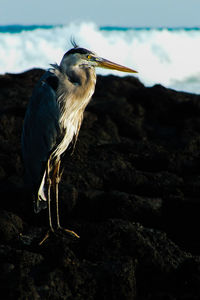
131,190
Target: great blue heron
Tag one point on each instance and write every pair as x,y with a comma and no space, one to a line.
52,122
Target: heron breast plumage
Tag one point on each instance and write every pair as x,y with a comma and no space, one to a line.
72,99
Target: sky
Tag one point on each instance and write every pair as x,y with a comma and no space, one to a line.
132,13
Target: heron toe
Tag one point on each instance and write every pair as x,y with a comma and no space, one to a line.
66,232
59,232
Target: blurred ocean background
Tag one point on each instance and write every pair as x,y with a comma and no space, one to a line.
167,56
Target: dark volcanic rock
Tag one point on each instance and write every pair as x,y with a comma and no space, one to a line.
131,190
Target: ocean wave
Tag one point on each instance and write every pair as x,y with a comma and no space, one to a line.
166,56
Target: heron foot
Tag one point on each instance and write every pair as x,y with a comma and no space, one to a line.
45,237
70,232
59,232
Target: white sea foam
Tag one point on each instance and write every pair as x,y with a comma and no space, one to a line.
168,57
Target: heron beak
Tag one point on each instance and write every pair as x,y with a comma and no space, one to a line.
104,63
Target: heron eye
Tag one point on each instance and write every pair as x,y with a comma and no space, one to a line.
89,56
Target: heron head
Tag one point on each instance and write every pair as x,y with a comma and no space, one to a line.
84,58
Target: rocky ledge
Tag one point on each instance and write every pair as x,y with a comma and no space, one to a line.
131,190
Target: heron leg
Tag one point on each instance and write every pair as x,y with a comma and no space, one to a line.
57,180
49,183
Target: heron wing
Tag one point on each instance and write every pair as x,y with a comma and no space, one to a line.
41,129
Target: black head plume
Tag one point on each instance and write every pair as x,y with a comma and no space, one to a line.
73,42
76,48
